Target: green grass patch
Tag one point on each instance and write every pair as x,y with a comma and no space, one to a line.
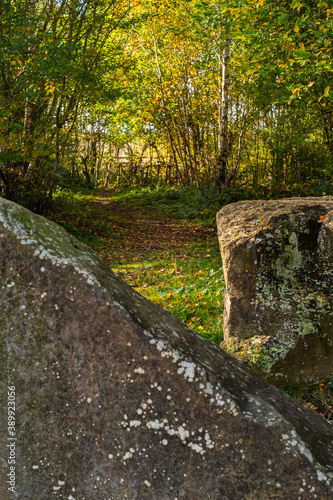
189,285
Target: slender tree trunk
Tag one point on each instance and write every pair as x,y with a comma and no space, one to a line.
57,153
241,142
328,130
222,159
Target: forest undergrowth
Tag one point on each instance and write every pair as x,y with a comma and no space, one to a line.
164,244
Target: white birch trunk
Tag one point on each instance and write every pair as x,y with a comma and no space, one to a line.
222,160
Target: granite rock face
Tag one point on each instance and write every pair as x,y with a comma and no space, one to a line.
117,399
278,265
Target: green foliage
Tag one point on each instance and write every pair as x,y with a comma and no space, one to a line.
115,94
54,59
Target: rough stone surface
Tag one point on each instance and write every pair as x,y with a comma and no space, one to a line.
278,265
117,399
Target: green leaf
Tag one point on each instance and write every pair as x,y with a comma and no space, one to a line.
302,54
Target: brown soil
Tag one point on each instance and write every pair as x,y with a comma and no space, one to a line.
141,230
125,231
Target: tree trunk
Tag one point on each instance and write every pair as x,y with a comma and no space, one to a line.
241,142
222,159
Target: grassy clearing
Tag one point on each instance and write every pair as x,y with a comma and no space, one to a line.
188,284
181,274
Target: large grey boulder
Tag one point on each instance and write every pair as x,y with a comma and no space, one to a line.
117,399
278,265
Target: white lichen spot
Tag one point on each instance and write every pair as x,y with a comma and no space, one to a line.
139,370
175,355
189,369
322,477
35,466
160,345
164,442
127,455
135,423
209,388
197,448
147,483
88,400
183,433
52,248
207,438
154,424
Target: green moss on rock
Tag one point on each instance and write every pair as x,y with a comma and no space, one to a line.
279,278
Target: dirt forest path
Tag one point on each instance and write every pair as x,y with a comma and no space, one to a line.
122,231
141,230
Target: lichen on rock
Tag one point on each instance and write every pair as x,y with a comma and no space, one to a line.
116,398
278,266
